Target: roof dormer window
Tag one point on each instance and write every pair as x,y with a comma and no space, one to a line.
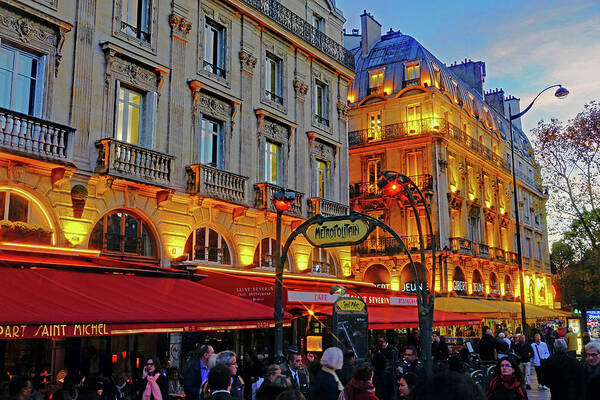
376,82
412,75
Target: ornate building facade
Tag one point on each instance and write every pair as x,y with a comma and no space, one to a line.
157,130
411,113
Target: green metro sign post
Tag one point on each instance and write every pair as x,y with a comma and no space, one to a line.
350,319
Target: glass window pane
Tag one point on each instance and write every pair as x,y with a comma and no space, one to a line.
133,128
2,204
97,236
5,88
113,232
27,65
18,208
24,95
213,246
7,58
147,242
131,234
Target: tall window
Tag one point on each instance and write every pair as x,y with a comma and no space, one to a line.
130,111
272,162
322,178
373,173
14,207
414,163
321,103
413,118
273,79
208,245
319,23
263,255
375,82
214,48
374,132
20,81
473,226
211,143
322,262
135,20
121,232
413,72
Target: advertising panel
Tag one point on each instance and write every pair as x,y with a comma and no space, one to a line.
592,318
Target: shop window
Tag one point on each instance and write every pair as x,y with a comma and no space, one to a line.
459,283
15,208
509,290
408,281
478,286
214,48
123,233
494,285
208,245
21,81
264,255
321,262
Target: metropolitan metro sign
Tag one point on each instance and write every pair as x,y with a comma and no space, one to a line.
337,231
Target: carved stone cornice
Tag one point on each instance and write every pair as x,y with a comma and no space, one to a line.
455,200
179,24
248,61
342,109
300,88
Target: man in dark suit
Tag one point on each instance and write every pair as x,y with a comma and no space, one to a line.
296,373
197,373
219,381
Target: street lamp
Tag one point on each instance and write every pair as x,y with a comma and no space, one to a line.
394,183
282,202
560,93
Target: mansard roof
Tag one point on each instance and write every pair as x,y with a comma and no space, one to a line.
394,50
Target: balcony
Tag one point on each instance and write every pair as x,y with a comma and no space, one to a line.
327,208
35,137
411,82
460,136
302,29
461,246
512,257
388,245
128,161
483,250
263,197
377,90
395,131
215,183
498,254
371,190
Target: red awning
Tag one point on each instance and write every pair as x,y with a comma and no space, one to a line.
397,317
52,303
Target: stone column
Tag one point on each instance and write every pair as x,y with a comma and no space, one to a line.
175,350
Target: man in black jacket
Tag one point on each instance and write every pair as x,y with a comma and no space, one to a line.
590,372
219,381
197,372
487,345
524,353
296,373
559,373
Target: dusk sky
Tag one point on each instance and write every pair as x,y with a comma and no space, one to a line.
526,45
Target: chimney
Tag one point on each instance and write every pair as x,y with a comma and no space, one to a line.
495,98
370,32
515,108
472,73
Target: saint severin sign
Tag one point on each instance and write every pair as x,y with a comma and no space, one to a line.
338,231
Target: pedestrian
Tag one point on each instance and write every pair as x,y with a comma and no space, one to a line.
559,373
197,372
385,348
345,374
269,390
270,373
571,340
439,350
412,364
448,385
229,359
406,383
503,345
524,353
219,381
590,372
327,385
154,384
382,378
175,388
540,353
507,383
20,388
488,346
296,373
290,394
360,386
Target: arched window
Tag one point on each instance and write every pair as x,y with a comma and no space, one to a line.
478,288
321,262
122,232
407,278
531,294
15,207
459,283
542,291
494,285
378,275
509,291
208,246
263,255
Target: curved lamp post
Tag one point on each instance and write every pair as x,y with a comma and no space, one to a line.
282,202
392,184
560,93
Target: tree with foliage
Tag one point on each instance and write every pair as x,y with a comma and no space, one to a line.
569,156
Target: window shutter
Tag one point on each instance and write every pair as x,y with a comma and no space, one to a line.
148,137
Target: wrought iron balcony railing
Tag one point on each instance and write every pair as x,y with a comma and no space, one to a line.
395,131
370,190
411,82
263,197
128,161
135,31
387,245
327,208
302,29
212,182
375,90
498,254
34,136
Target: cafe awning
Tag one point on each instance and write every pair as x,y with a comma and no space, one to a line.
487,308
43,303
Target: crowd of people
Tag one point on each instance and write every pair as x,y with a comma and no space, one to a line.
391,372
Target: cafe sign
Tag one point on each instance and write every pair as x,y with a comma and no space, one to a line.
337,231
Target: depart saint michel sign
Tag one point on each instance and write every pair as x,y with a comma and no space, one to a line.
337,231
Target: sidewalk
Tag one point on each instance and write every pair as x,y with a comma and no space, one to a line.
535,393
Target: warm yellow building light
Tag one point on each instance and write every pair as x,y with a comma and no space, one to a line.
395,283
302,261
